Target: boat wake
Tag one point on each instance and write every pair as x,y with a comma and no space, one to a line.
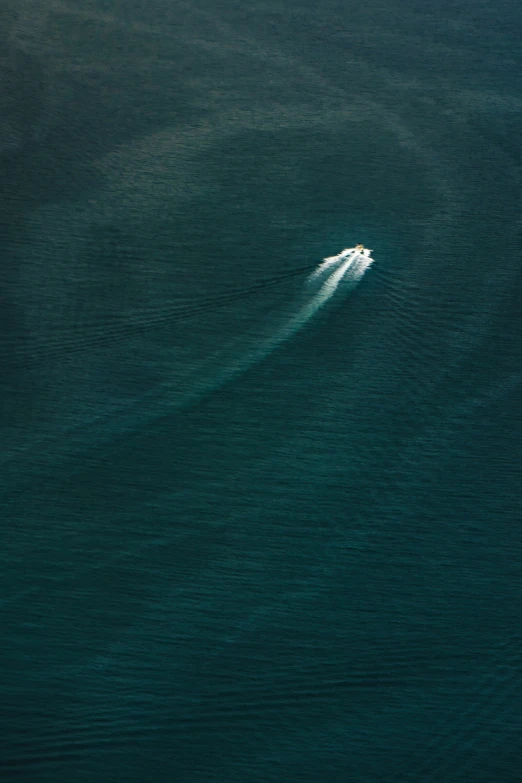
358,256
347,268
341,272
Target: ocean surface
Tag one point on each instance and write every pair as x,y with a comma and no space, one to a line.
255,529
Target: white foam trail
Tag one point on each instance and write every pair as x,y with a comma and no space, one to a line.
347,268
324,267
351,266
327,263
331,261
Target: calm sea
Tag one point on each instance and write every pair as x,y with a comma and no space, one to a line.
243,541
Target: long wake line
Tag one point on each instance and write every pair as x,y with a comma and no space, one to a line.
118,327
348,267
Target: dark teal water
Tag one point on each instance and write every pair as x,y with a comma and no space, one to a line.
225,558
